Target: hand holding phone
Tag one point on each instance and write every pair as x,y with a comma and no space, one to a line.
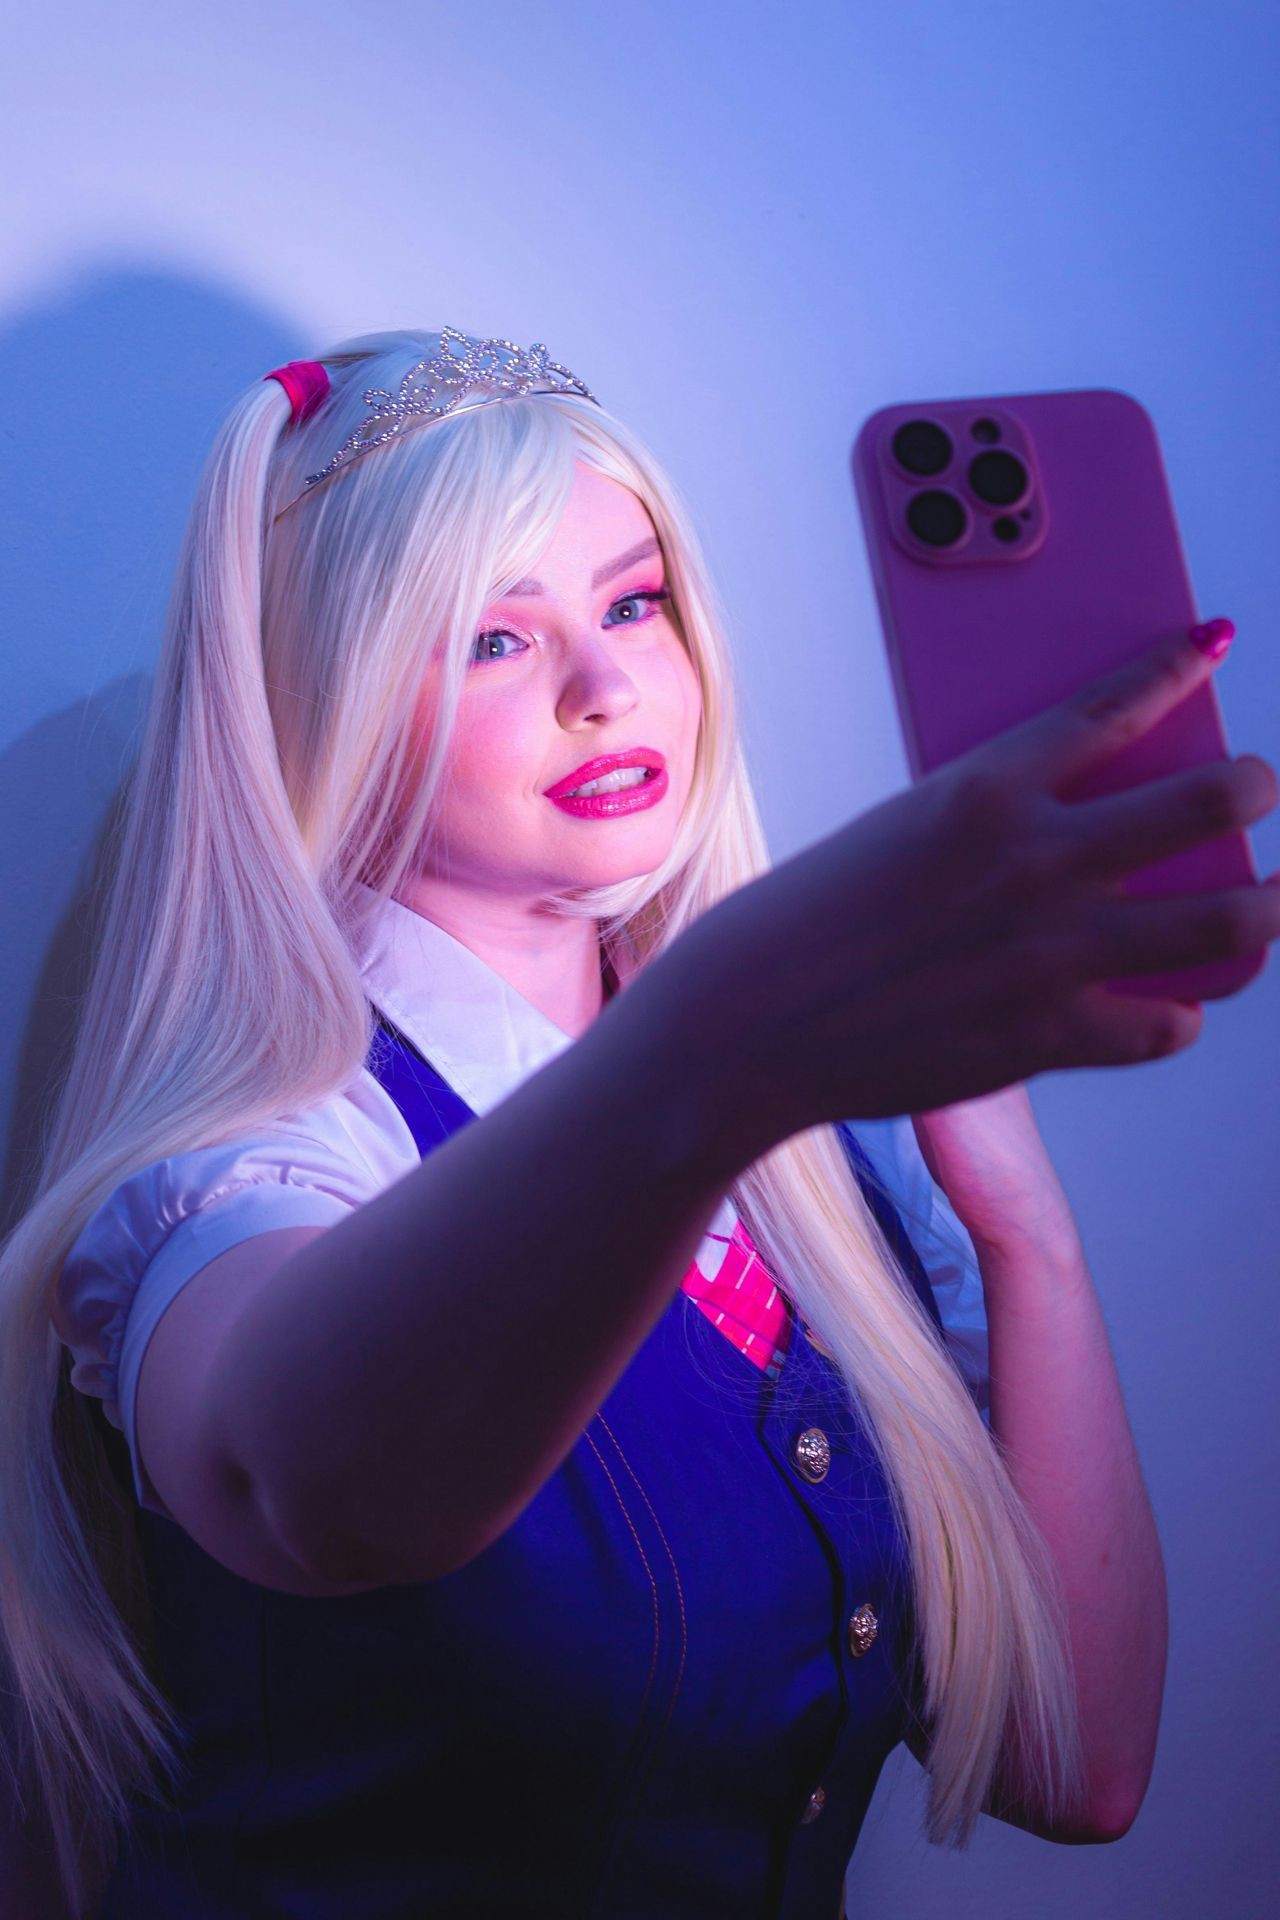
1022,547
964,934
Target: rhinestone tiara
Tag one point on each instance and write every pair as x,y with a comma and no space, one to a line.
444,383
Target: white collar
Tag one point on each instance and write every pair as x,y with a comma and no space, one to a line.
482,1036
461,1015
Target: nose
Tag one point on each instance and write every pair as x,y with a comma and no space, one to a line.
595,686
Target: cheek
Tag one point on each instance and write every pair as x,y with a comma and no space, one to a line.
688,694
495,750
486,754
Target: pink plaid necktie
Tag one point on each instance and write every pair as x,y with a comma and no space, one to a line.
743,1302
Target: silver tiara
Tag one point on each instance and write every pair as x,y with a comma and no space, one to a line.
444,383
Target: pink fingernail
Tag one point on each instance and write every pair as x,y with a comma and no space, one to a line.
1213,637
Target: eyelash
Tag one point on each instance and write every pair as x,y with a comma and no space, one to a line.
654,597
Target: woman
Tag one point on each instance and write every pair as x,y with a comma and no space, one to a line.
474,1416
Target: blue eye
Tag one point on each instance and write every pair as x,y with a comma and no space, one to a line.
651,599
633,599
483,639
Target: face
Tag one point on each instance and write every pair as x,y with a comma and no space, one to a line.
580,660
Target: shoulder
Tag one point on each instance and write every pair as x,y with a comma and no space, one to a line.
941,1242
158,1226
891,1147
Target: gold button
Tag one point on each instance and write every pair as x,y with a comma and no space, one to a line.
812,1454
817,1801
863,1628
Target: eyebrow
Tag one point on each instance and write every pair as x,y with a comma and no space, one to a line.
531,589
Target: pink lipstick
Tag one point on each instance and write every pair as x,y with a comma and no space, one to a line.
629,799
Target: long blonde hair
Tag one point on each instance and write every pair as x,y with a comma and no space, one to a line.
225,992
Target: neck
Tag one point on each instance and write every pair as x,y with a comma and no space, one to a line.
556,965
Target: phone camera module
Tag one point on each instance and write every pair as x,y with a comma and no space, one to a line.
922,448
998,478
936,517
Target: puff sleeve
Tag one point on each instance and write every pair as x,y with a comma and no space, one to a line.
946,1251
161,1225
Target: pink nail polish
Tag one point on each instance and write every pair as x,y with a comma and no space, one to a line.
1213,637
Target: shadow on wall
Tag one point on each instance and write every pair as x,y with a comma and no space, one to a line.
117,380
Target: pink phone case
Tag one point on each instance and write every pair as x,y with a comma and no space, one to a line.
1022,546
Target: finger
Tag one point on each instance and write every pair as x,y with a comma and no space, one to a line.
1161,933
1125,1029
1124,831
1069,739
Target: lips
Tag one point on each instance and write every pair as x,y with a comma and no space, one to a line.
606,763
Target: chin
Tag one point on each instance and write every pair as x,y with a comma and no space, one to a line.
604,872
611,876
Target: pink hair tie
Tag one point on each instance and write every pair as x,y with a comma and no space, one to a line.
305,382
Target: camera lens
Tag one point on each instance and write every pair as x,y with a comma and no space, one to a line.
935,517
922,448
998,478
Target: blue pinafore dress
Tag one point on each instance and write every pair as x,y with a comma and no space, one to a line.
666,1692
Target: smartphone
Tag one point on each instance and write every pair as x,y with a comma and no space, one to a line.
1022,546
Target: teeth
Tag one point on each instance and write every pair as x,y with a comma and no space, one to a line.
610,782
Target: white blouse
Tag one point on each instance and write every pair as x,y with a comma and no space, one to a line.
309,1168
